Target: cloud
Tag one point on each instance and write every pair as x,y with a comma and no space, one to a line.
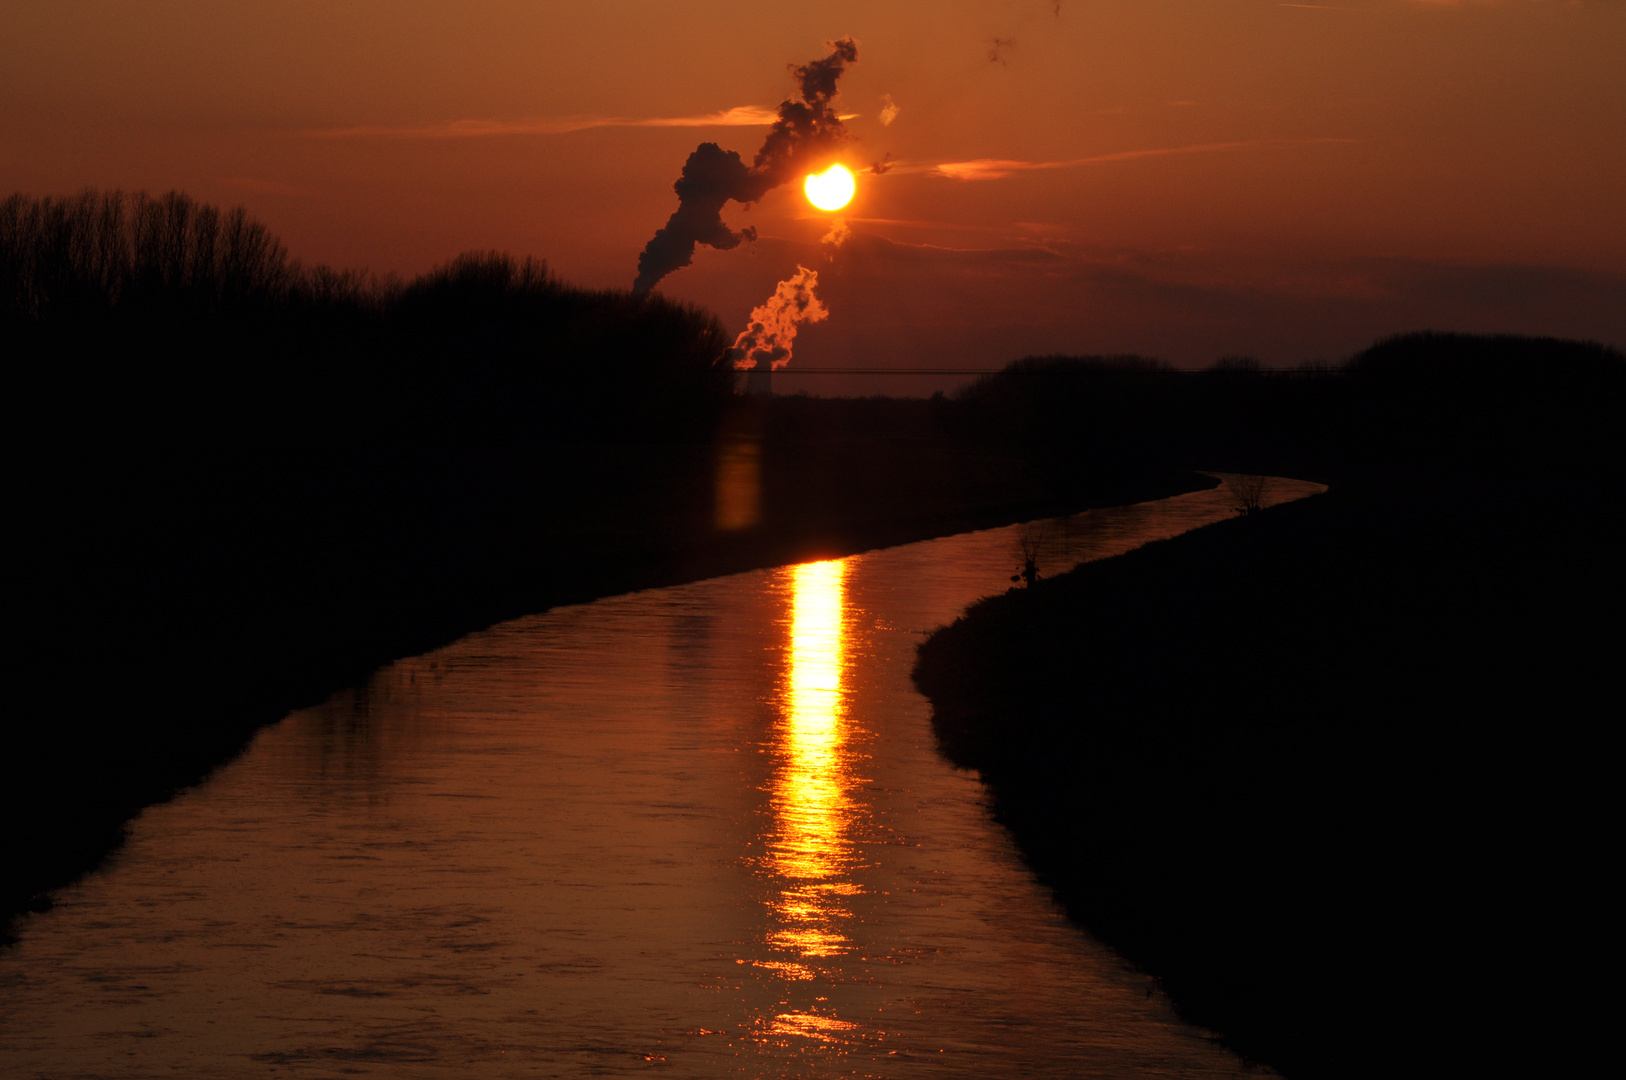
803,135
993,168
738,116
889,110
864,248
999,168
936,305
982,300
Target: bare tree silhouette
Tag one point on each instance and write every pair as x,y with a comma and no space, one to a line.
1248,490
1030,546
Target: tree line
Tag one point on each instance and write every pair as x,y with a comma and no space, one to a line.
129,303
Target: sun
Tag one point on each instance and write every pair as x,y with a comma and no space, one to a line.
831,189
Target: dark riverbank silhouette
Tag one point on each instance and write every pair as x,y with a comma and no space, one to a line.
240,484
1333,772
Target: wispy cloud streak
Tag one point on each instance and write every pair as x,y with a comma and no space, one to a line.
739,116
1000,168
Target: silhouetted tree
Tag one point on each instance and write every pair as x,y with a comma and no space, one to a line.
1030,545
129,305
1248,490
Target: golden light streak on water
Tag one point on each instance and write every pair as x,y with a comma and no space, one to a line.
809,849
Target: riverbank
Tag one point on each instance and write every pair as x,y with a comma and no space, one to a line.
1330,772
178,602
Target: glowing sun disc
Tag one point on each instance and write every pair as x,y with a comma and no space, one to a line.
831,189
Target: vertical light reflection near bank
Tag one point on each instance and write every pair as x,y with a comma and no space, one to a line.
808,852
739,484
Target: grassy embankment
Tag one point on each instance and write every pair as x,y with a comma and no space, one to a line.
1335,773
239,484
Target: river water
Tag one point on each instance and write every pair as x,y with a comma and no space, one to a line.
697,831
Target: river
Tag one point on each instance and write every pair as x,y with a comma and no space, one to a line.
700,831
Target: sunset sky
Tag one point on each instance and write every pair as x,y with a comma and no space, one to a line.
1180,178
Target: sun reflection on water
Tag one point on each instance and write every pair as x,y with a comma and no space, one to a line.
809,851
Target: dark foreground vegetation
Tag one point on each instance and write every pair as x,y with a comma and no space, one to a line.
238,484
1336,773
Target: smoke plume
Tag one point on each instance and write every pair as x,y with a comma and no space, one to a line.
840,232
805,131
765,344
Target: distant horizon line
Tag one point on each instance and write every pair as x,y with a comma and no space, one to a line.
990,371
869,371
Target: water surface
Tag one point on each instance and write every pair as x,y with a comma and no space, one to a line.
701,830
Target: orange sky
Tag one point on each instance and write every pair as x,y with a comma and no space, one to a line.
1285,180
